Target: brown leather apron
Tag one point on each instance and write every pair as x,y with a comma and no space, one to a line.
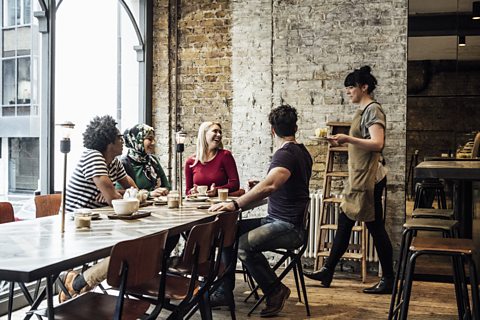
358,202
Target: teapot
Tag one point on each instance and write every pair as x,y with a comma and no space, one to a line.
134,193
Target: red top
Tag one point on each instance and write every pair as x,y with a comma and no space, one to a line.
221,170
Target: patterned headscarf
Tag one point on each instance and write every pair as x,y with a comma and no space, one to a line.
134,138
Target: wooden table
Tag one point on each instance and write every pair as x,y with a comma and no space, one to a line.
36,249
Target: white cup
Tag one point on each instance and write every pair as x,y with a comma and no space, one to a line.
202,190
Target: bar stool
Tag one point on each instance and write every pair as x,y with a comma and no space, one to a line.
460,250
432,213
435,186
448,228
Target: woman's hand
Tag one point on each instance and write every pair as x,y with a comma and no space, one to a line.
341,138
212,192
194,189
159,192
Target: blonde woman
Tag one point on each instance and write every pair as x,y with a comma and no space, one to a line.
211,165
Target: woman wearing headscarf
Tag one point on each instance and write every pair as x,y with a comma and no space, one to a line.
141,164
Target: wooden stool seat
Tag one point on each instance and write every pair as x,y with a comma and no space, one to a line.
461,251
433,213
449,245
430,224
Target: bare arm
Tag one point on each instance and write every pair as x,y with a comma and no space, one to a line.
274,180
107,189
375,143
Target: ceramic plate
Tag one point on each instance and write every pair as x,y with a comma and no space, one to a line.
197,198
216,200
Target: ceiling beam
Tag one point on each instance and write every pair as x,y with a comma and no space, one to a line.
422,25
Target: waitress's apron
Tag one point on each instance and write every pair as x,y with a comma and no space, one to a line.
358,203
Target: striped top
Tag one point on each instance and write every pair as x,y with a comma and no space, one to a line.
81,190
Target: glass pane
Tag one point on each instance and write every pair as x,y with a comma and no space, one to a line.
8,76
27,11
8,13
24,40
24,92
23,164
9,42
18,11
8,111
23,111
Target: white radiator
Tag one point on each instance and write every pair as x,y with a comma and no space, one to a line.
314,230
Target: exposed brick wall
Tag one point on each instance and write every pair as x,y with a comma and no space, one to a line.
298,52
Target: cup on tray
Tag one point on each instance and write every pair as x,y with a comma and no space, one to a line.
202,190
82,220
173,199
222,194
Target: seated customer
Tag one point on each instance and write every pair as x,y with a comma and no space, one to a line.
211,165
141,164
92,182
286,185
92,186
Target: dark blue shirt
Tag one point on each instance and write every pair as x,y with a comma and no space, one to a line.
289,201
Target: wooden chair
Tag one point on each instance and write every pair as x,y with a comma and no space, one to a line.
190,280
227,231
6,212
132,263
47,205
295,264
6,216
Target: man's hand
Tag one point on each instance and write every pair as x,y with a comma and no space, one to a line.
224,206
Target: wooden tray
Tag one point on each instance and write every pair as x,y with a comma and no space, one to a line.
138,215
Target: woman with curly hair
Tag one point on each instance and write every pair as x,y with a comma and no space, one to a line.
141,164
92,184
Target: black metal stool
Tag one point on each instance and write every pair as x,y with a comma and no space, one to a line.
448,228
460,250
432,213
436,187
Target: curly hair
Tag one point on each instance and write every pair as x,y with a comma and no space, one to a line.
283,119
100,132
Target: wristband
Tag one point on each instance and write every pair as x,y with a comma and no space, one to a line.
235,203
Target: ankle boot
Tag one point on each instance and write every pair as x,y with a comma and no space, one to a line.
384,286
324,275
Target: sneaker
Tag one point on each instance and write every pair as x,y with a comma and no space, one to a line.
67,278
276,301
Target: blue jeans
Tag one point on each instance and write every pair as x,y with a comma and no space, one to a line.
255,237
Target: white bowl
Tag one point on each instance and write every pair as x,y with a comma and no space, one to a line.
125,207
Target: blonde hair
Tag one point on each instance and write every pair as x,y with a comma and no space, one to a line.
202,145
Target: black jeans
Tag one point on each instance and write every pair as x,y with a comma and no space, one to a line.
376,229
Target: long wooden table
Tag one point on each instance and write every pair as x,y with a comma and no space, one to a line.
36,249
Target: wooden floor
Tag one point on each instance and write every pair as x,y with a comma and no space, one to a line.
344,300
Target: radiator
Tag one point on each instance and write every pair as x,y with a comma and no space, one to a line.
314,230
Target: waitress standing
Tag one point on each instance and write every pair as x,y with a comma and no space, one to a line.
366,180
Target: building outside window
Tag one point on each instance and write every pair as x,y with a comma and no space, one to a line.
88,83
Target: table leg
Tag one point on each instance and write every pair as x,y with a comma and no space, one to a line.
50,282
